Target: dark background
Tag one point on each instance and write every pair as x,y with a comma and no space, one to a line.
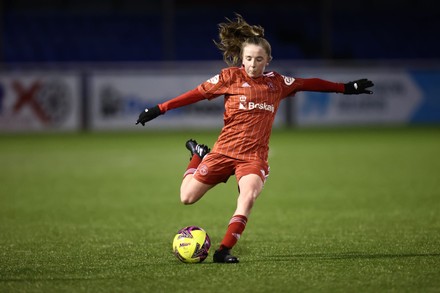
170,30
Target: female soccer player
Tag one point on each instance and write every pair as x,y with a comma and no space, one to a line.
251,98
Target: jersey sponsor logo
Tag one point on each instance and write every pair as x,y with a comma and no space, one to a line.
214,79
261,106
245,84
288,80
243,105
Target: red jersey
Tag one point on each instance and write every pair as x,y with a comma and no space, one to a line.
250,108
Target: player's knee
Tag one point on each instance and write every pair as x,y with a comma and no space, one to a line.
250,199
250,196
191,193
187,198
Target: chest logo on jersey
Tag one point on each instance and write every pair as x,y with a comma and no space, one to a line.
272,87
244,105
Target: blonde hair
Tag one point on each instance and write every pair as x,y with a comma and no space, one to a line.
234,35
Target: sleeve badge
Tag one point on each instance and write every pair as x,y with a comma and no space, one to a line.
288,80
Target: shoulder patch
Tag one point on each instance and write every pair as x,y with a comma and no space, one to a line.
288,80
214,79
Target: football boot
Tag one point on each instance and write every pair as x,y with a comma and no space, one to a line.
200,150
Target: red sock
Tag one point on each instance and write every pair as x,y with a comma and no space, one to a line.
192,166
235,229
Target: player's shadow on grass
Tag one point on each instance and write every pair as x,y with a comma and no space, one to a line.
347,255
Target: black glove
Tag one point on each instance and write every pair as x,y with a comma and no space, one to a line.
358,87
148,114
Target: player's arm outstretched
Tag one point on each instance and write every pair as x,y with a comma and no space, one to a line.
187,98
360,86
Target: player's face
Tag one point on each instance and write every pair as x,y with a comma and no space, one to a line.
255,60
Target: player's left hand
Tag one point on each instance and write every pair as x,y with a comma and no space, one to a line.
358,87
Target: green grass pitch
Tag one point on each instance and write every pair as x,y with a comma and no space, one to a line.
344,210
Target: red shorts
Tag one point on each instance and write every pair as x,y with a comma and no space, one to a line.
216,168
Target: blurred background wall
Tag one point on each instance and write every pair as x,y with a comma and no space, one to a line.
96,64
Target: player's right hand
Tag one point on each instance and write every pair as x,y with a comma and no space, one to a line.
148,114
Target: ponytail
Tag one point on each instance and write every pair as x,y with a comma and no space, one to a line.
234,34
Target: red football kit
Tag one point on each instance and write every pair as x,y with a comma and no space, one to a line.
250,108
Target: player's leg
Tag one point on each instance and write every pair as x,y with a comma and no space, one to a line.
251,178
250,187
191,190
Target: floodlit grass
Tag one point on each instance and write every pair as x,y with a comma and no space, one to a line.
348,210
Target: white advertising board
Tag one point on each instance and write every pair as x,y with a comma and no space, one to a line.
39,101
396,96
